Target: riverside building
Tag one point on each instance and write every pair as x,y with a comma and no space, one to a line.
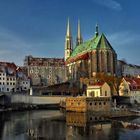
95,55
45,71
12,79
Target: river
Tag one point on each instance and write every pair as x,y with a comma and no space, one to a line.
55,125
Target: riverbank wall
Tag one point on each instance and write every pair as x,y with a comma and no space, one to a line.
27,102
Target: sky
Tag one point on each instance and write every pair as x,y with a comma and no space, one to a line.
38,27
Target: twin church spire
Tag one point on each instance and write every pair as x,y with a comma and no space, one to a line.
68,42
79,39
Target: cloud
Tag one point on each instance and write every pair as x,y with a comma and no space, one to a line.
111,4
123,38
126,44
12,47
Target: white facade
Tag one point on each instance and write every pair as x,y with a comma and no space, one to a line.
12,78
7,83
126,89
99,90
127,70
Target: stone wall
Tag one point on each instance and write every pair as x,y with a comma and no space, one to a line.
84,104
36,100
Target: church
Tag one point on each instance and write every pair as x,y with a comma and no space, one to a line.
90,57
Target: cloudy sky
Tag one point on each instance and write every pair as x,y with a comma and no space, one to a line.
38,27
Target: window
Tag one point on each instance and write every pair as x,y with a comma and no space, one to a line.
7,83
31,71
100,103
104,103
92,93
90,103
95,103
78,103
105,93
7,89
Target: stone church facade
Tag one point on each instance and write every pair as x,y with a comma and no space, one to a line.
90,57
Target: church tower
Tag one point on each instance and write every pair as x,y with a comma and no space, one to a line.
79,39
68,42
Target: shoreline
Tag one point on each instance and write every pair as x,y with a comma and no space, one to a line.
20,107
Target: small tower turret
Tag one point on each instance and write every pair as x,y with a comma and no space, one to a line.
96,30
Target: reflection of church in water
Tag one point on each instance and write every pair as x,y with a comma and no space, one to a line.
90,57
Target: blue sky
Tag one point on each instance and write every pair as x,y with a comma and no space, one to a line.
38,27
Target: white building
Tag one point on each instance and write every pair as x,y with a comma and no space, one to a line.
12,79
99,90
127,70
130,87
7,82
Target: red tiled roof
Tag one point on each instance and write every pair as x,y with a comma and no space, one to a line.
78,57
134,83
35,61
10,66
97,84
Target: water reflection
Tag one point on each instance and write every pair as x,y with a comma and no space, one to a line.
32,125
54,125
85,125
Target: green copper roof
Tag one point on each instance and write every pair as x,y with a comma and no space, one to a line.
104,43
97,42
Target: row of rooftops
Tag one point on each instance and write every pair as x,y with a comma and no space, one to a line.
35,61
134,83
10,69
